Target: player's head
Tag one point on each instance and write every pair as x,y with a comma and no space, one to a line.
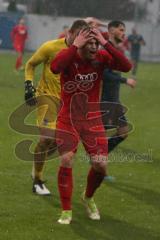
21,21
89,50
74,30
117,30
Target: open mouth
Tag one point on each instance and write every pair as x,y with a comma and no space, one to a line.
92,52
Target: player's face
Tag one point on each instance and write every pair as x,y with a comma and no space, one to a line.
119,33
89,51
22,21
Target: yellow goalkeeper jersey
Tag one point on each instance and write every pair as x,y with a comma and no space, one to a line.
49,82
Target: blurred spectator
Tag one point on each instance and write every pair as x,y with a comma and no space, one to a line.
135,42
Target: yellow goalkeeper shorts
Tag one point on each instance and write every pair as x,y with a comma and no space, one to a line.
48,107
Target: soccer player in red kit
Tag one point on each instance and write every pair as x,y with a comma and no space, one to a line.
19,36
81,67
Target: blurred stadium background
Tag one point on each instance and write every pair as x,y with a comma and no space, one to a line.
46,19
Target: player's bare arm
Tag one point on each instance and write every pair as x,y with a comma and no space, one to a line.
131,82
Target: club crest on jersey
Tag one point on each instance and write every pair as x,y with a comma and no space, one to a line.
76,65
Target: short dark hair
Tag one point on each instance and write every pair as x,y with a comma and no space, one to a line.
78,24
116,23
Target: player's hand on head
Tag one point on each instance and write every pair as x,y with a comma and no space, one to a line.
98,36
131,82
82,38
30,91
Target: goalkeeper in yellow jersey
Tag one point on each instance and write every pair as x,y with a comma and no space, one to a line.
47,98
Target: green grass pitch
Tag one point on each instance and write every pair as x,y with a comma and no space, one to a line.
130,207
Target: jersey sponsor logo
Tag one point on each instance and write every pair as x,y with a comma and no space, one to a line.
83,82
86,77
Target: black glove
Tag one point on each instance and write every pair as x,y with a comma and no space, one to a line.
30,91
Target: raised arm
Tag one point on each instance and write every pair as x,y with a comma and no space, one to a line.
119,61
37,58
41,55
66,56
113,57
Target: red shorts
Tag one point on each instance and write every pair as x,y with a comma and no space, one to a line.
90,132
19,47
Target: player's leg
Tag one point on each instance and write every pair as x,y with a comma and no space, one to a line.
118,120
135,60
134,69
48,107
19,51
119,137
40,155
98,154
18,61
67,145
46,120
94,179
65,187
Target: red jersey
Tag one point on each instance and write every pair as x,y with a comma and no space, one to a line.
19,36
80,80
124,46
105,35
